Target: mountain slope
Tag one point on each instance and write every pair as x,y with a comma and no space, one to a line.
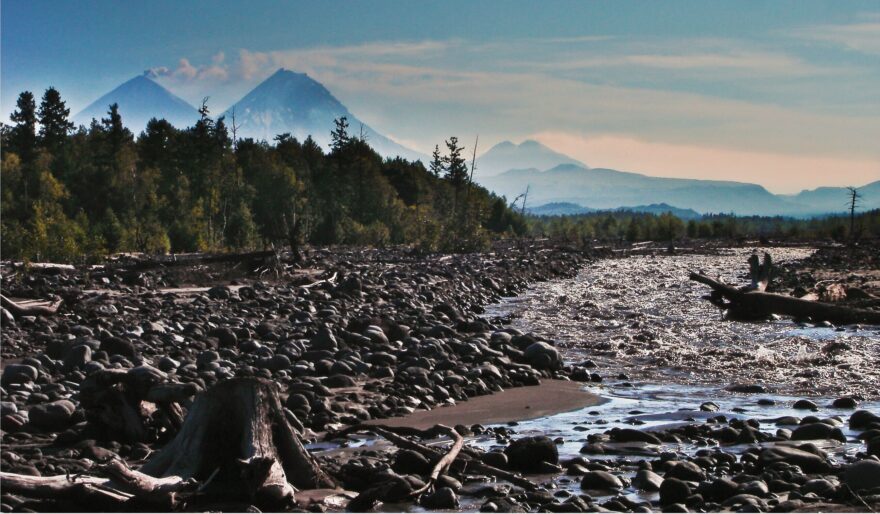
297,104
529,154
139,100
609,189
836,199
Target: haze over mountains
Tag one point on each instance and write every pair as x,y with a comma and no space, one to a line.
290,102
286,102
600,188
295,103
507,156
140,99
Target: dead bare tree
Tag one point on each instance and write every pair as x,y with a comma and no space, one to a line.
854,197
235,127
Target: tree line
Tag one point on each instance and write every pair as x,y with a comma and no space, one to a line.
79,193
628,226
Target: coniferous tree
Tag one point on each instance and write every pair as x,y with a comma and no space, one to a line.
456,166
117,134
436,166
54,123
339,137
23,136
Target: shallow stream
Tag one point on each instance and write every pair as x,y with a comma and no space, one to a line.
663,351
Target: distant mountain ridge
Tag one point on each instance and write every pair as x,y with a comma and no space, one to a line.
836,199
297,104
139,100
290,102
529,154
573,209
603,189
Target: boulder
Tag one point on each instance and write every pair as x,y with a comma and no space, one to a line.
54,416
864,474
809,462
528,453
673,490
541,355
600,481
19,374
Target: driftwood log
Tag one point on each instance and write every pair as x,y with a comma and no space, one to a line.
235,445
457,454
754,303
18,310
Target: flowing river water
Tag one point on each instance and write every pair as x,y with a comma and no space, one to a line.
664,350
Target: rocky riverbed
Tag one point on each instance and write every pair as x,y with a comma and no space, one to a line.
354,335
642,317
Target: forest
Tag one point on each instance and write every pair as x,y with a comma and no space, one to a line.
76,194
628,226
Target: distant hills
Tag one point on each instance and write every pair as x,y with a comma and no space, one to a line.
573,183
529,154
140,99
836,199
571,209
297,104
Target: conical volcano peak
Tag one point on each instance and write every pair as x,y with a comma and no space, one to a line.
292,102
140,99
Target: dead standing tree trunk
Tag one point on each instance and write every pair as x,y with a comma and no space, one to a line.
235,445
753,303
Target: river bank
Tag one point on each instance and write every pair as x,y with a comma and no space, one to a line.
364,336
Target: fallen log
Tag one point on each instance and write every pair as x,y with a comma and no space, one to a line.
18,310
755,304
396,436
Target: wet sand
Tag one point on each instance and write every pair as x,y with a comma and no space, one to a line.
517,404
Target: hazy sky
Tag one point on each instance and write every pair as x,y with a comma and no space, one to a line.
786,94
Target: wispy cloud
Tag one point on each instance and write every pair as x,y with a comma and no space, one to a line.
426,90
186,71
861,36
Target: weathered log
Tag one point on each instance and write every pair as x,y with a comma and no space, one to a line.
393,434
751,305
18,310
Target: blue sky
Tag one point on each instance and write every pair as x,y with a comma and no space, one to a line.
786,94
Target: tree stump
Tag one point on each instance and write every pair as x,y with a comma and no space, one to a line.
235,445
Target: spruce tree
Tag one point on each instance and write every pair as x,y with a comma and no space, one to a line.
436,166
339,135
23,136
54,125
117,134
456,167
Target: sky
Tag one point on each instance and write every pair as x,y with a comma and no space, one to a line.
784,93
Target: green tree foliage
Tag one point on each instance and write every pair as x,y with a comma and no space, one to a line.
54,122
633,227
98,189
22,139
